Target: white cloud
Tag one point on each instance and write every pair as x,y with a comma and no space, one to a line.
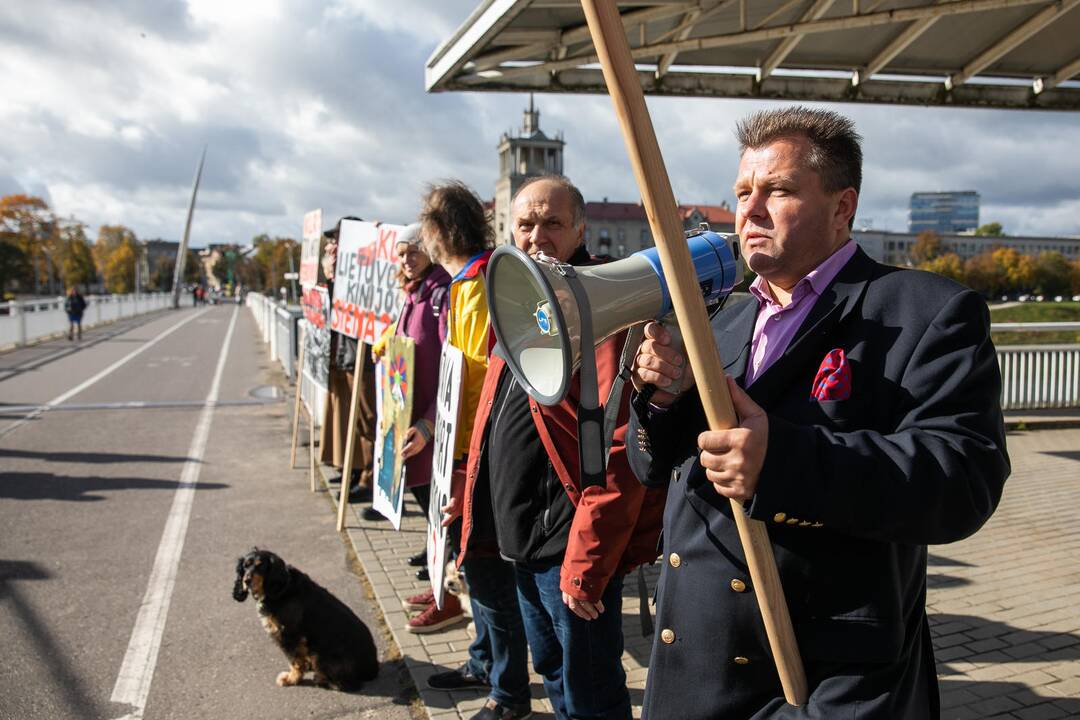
305,105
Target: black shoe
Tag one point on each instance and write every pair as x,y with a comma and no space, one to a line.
371,514
360,494
460,679
418,560
497,711
422,574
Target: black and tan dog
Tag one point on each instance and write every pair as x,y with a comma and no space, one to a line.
314,629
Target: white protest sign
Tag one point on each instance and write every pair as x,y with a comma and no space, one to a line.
367,297
315,303
309,250
396,384
447,403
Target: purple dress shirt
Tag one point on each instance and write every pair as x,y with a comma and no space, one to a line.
776,325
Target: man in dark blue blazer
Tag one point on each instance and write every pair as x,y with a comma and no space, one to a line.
870,426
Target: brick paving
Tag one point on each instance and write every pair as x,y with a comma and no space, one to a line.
1004,605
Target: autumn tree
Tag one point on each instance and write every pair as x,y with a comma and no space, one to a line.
27,244
272,257
76,255
993,229
1018,269
115,253
1052,274
927,247
950,265
161,275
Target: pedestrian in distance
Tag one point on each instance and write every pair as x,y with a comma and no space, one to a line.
869,427
571,545
74,306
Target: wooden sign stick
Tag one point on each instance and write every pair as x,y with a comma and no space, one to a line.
346,472
311,448
609,38
299,388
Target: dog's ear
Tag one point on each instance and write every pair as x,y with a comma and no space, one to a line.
239,592
276,579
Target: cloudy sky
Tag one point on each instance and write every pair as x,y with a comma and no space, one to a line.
107,104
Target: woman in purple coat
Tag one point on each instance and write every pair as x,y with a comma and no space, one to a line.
423,318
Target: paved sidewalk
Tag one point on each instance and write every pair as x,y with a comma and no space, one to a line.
1003,604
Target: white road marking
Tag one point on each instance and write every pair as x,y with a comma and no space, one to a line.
137,670
87,383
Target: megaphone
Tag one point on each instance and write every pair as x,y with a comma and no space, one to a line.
544,311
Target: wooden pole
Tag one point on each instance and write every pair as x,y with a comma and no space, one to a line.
299,401
358,380
609,38
311,448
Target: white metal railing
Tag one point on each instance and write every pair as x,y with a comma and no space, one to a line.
25,321
278,325
1033,376
1039,376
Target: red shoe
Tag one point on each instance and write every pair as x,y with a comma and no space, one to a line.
433,619
419,602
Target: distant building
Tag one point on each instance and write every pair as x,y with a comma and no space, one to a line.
611,228
156,261
620,229
944,212
896,248
521,156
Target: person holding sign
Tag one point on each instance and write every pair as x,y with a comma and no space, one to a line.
571,543
335,430
457,235
869,427
423,318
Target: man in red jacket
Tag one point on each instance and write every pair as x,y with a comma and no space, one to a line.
571,545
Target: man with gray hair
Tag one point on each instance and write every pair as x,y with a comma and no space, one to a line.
571,542
869,427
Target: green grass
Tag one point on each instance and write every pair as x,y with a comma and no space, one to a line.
1037,312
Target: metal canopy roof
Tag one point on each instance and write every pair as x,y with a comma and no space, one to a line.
968,53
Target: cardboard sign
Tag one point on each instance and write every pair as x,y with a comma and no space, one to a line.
447,404
367,296
315,302
309,250
394,412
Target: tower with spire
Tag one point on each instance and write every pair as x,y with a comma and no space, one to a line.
522,155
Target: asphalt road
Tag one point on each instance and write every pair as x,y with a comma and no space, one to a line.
126,496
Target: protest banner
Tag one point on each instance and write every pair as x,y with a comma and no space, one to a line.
367,299
315,303
309,250
367,296
447,404
308,276
394,411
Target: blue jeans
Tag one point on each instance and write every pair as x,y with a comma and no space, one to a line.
580,660
499,653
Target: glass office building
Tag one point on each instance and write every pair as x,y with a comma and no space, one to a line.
944,212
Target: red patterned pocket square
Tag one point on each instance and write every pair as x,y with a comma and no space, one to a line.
833,380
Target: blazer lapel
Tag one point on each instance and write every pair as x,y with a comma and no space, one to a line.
733,331
836,303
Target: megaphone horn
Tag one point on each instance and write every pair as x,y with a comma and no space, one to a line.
541,324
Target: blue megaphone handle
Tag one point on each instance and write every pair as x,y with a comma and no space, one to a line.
714,263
